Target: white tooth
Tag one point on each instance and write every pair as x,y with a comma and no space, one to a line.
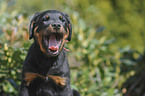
58,43
46,42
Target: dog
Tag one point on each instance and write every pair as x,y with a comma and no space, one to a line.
45,70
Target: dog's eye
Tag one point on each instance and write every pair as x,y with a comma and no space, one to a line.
46,18
61,18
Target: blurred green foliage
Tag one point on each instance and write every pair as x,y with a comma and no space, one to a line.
101,63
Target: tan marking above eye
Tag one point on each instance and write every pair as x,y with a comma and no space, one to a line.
60,17
46,18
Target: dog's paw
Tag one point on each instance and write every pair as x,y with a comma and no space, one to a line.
58,80
29,77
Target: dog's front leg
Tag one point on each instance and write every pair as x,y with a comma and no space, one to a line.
23,89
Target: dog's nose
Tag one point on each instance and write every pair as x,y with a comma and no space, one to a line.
56,25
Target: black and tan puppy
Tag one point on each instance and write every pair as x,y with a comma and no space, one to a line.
46,70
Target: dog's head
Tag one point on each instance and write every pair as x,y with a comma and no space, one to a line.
50,29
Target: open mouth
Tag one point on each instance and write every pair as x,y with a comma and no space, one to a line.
53,43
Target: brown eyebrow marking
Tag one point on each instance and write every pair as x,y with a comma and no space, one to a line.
60,17
47,16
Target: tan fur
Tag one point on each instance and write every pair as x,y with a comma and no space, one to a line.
29,77
47,16
58,80
39,39
50,28
38,36
64,39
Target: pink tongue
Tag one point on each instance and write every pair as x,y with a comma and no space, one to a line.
53,43
54,48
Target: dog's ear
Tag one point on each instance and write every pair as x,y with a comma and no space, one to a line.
32,25
69,25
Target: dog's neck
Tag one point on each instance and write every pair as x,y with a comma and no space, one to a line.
48,62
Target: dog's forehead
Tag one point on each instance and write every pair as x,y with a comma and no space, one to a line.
53,14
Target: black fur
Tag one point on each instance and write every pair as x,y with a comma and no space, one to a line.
45,87
42,63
